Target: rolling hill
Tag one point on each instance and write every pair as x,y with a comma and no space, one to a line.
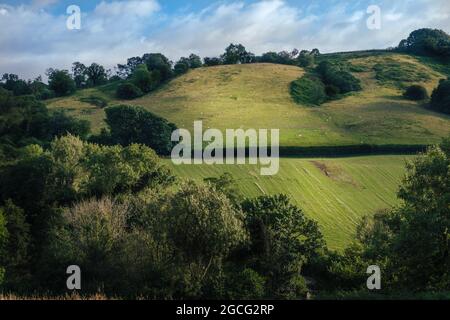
257,96
336,192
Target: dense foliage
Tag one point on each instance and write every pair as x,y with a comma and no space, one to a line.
440,98
24,119
334,75
61,82
128,91
416,92
131,124
425,41
308,90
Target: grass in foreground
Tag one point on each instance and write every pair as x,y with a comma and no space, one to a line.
334,192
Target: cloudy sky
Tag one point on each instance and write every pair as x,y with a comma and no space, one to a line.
34,34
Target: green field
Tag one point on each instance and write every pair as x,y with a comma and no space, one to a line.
335,192
257,96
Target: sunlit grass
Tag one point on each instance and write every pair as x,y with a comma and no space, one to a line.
335,192
257,96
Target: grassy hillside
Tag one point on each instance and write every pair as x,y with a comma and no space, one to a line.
257,96
335,192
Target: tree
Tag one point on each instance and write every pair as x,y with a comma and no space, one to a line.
24,119
161,244
282,240
61,82
269,57
96,75
128,91
16,256
427,42
283,57
440,98
236,53
143,79
214,225
204,228
212,61
79,74
131,124
159,63
336,76
14,84
182,66
305,59
90,235
59,124
125,71
416,92
194,61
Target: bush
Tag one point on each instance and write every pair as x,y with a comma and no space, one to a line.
212,61
45,94
336,76
282,240
305,60
332,90
416,92
61,82
308,90
16,254
181,67
131,124
143,79
440,98
128,91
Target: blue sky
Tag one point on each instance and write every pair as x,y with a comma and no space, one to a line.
34,36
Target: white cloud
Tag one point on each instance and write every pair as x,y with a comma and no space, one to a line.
140,8
43,3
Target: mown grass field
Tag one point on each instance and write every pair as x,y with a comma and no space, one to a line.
257,96
336,192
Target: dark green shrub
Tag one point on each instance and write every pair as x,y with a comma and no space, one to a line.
132,124
210,62
308,90
332,90
440,98
336,76
61,82
305,60
128,91
416,92
144,79
181,67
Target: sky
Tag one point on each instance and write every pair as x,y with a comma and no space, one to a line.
34,34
